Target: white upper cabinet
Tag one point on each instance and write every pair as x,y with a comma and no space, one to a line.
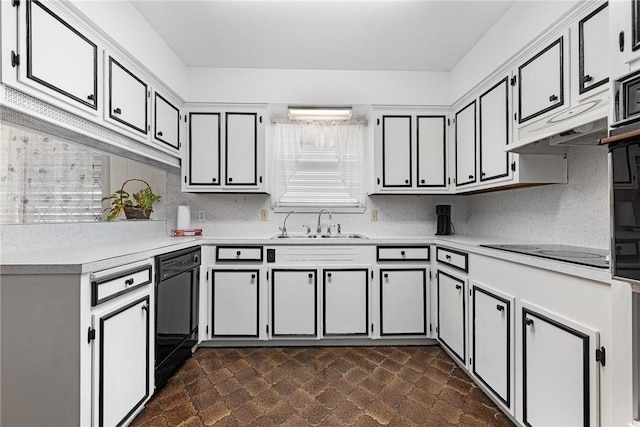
203,153
166,122
396,151
494,131
127,98
56,58
465,145
541,81
410,152
593,45
225,150
431,151
624,37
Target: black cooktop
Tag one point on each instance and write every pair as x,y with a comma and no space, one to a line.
574,254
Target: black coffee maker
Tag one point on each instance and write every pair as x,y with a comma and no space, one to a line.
444,220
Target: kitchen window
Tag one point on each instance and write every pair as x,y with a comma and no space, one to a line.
46,180
318,164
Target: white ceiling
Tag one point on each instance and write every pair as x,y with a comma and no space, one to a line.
394,35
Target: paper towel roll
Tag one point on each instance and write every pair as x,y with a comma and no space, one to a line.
184,218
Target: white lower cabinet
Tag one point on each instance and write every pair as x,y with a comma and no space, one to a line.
452,315
235,302
559,373
294,302
121,360
492,341
403,301
345,302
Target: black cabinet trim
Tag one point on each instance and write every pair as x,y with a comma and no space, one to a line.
521,118
238,260
112,61
91,103
315,301
424,307
228,180
507,400
101,375
504,174
444,152
384,162
155,121
324,303
585,362
464,320
213,302
191,182
428,248
459,182
581,75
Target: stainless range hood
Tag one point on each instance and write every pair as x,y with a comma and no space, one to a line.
587,134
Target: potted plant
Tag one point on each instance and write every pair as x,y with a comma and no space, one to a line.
121,202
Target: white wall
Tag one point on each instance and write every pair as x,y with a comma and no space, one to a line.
122,23
576,213
521,23
318,86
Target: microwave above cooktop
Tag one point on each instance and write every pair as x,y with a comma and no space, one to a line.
627,101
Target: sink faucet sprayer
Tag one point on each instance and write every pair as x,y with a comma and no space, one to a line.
283,229
319,229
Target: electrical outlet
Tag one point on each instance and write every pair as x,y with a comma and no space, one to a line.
374,215
264,215
202,215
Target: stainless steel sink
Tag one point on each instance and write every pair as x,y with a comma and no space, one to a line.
320,236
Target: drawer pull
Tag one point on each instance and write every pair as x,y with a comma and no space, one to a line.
448,257
402,253
499,307
128,282
529,322
238,253
458,287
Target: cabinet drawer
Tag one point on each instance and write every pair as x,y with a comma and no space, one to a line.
403,253
455,259
108,285
239,253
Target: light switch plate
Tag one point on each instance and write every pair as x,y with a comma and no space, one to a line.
264,215
374,215
202,215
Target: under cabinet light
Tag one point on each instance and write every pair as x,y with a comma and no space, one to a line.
319,113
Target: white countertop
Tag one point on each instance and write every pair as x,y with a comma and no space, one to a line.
82,259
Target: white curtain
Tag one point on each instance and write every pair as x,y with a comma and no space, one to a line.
318,164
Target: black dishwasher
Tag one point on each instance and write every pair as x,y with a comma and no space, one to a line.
177,285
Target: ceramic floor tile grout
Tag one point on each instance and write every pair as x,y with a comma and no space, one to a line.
320,386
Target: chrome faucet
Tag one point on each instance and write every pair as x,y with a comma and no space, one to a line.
283,229
319,229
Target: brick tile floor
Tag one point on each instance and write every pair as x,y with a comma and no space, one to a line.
320,386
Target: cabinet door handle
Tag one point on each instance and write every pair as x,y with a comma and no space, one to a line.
528,322
310,275
483,174
553,98
238,253
458,287
386,275
160,133
621,41
587,79
406,181
378,181
329,275
117,111
145,308
499,307
214,179
402,253
91,97
253,276
230,179
128,282
448,257
470,176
